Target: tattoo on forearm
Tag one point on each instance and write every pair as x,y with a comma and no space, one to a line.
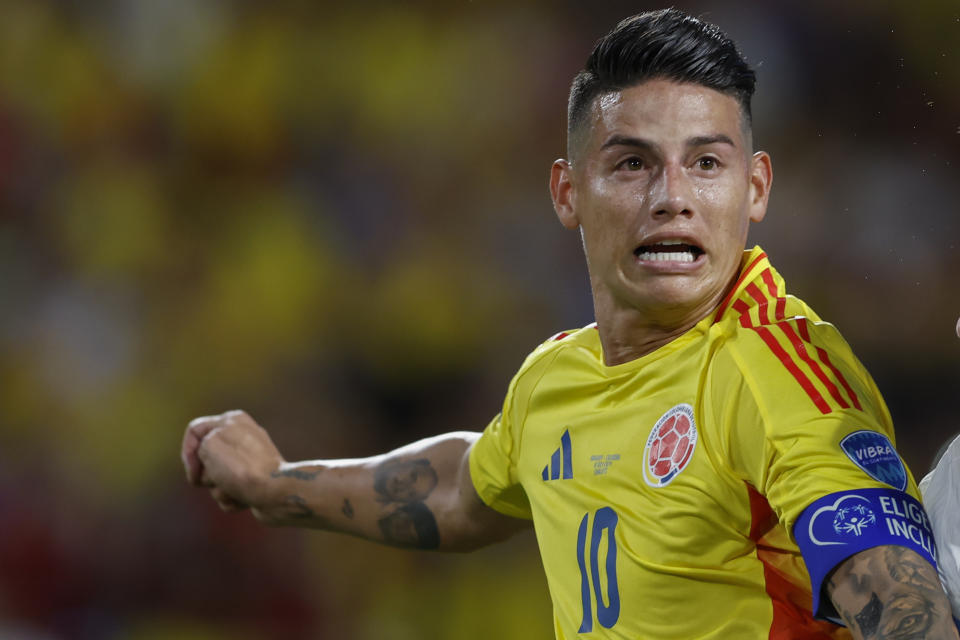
347,509
297,473
411,525
407,483
298,507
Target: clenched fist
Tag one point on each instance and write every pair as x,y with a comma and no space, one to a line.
234,456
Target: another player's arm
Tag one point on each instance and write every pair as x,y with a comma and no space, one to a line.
891,593
419,496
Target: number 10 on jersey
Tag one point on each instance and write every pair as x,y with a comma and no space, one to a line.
604,522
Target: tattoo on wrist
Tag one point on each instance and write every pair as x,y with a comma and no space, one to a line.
298,473
347,509
407,484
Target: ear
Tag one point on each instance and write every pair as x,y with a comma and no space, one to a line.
562,192
761,179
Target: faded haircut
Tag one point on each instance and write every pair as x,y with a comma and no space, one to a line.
666,44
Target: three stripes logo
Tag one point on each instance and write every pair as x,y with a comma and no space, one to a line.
561,462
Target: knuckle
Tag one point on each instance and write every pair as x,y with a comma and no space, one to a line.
197,423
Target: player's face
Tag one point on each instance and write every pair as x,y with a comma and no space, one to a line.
663,189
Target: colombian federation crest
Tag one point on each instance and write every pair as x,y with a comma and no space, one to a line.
670,446
875,455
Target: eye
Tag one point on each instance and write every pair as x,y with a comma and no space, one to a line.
707,163
633,163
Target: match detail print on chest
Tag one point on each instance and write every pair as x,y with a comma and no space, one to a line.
633,444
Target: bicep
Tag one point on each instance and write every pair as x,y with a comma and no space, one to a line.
890,592
475,523
427,498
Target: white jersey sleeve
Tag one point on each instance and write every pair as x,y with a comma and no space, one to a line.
941,497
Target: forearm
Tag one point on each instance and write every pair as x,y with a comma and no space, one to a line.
890,592
416,496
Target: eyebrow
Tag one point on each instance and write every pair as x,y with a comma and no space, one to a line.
618,140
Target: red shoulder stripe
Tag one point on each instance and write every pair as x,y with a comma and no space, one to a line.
767,276
757,295
796,341
801,350
783,356
825,359
736,286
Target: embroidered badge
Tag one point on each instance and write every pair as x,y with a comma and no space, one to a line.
873,452
670,446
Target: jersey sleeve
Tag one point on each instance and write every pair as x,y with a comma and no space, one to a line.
494,456
493,469
806,427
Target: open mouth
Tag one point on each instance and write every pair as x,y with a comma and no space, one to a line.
668,251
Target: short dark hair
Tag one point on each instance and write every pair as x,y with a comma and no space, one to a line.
660,44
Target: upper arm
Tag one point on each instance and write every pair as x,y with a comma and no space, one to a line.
831,473
426,498
475,523
890,592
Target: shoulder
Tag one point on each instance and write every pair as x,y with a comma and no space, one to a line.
584,341
791,362
782,350
574,345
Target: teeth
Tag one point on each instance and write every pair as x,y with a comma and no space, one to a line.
679,256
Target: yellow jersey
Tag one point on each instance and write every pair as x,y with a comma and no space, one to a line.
664,491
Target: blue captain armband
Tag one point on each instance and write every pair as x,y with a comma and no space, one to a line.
841,524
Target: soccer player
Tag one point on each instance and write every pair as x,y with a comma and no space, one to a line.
707,460
941,496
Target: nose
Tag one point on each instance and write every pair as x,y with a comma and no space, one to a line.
670,192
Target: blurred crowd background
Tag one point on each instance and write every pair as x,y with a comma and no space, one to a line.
335,216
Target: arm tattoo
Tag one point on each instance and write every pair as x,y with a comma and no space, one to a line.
297,507
347,509
908,617
904,592
869,617
411,525
910,569
297,473
407,483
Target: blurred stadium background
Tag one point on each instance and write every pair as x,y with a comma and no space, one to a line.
336,217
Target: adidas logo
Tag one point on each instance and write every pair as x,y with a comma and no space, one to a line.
561,462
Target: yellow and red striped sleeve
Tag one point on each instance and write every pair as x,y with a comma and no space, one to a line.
791,389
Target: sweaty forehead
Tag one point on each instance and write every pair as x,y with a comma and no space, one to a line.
664,112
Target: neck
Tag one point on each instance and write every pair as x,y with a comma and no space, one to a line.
625,338
628,333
